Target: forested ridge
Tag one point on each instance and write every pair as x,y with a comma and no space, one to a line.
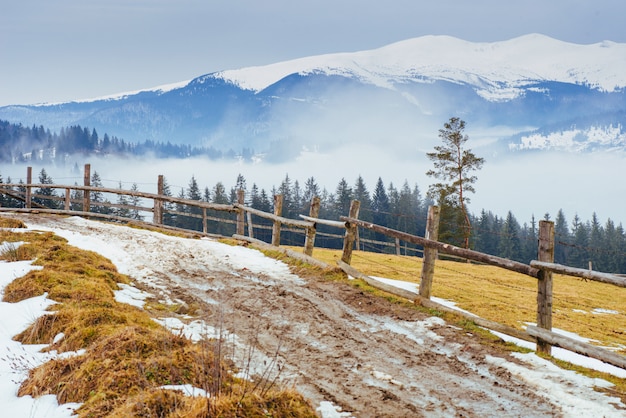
37,144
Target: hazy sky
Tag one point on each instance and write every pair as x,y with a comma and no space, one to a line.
71,49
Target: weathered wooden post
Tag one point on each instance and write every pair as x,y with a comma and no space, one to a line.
544,284
68,197
205,227
250,226
87,193
430,254
241,216
397,241
348,240
157,217
29,181
314,212
278,210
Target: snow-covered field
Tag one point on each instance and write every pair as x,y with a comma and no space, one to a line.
562,393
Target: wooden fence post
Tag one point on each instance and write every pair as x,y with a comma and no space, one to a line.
29,181
241,216
544,284
205,226
86,193
430,254
157,217
250,226
68,197
314,212
278,210
348,240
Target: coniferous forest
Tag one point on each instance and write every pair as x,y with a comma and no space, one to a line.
401,207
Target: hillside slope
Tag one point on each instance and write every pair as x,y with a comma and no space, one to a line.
330,340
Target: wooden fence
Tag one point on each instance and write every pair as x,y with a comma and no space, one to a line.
540,269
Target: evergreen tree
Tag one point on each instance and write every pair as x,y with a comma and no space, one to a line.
562,238
285,190
311,190
168,217
484,239
46,193
613,244
240,184
219,194
579,256
529,241
380,204
76,199
180,220
136,202
97,198
621,249
220,197
122,200
193,193
298,203
380,209
596,236
510,246
343,199
361,194
452,166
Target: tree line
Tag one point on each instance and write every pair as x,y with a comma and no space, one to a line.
21,144
403,208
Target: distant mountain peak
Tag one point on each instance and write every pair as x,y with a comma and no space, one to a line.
498,66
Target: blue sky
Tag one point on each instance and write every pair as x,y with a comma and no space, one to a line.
73,49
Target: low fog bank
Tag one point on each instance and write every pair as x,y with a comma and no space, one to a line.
540,183
526,184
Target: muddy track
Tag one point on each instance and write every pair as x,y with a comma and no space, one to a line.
333,342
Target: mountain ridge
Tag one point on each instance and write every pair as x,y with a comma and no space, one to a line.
399,93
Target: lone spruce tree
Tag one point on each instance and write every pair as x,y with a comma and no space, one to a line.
453,165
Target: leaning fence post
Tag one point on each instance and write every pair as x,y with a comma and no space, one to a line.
157,217
278,210
29,181
351,230
430,254
544,284
241,216
314,212
87,193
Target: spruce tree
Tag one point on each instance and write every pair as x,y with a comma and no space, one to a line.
46,192
562,238
510,245
122,200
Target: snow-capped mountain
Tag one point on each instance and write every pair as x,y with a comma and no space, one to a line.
540,92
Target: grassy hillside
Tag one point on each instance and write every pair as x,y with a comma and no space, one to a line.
591,309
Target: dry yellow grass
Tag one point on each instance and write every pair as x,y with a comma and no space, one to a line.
590,309
127,356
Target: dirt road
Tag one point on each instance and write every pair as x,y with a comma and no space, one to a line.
333,342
